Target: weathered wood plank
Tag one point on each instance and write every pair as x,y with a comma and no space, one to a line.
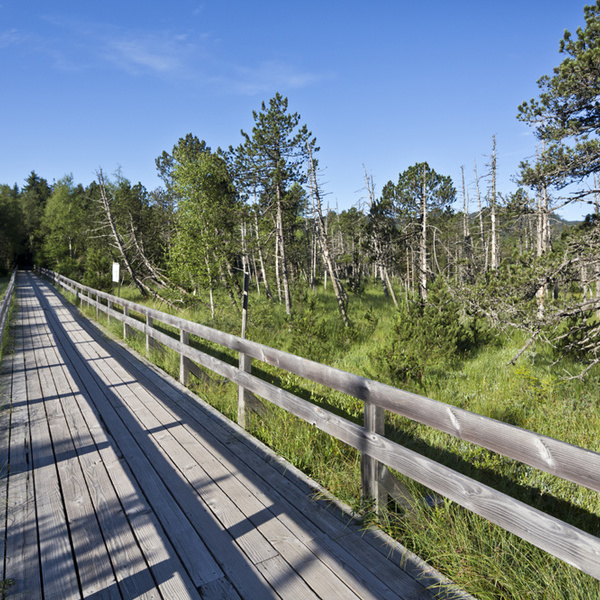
59,575
95,501
158,553
94,568
182,536
293,503
244,575
22,548
6,377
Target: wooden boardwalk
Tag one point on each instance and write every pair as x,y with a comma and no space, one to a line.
118,483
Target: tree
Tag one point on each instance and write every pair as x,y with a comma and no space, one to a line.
203,249
33,202
566,116
11,227
338,288
66,227
271,160
420,190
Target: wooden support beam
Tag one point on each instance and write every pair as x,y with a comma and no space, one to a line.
372,491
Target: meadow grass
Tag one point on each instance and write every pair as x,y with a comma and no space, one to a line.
534,394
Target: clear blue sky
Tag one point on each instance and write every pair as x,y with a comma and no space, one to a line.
386,83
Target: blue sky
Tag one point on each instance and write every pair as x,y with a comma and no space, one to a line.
384,84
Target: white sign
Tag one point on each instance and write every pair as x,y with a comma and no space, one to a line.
115,272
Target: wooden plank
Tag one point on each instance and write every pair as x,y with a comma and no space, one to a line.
58,569
285,579
374,421
89,513
242,574
189,546
160,555
94,568
22,549
6,376
348,559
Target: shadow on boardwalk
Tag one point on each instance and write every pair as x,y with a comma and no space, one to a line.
195,504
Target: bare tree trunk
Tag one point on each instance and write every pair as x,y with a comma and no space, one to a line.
466,246
157,277
481,227
423,242
284,266
338,289
261,258
277,269
117,241
494,241
210,285
390,287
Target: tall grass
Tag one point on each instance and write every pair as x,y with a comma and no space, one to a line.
482,558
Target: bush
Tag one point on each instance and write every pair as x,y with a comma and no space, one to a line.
426,334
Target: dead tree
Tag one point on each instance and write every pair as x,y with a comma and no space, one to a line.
338,288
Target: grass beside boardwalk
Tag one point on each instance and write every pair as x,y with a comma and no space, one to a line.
4,281
482,558
6,339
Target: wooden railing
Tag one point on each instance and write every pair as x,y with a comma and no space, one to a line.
5,305
569,462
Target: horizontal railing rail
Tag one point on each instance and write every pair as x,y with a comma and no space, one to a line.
5,305
552,456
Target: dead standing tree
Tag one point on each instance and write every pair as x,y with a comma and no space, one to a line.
123,245
338,288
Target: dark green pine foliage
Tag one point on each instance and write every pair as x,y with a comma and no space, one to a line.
566,116
11,227
33,198
268,164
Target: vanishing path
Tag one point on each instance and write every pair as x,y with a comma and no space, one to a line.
119,483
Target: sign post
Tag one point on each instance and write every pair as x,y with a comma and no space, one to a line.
116,276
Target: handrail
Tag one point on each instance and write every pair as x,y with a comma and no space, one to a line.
6,303
569,462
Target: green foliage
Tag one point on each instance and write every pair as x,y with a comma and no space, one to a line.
33,198
206,218
567,113
11,227
426,334
66,228
98,269
308,332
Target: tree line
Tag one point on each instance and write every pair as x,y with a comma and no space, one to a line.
259,207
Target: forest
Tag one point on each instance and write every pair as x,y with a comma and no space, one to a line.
453,289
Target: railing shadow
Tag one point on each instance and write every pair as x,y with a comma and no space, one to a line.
221,541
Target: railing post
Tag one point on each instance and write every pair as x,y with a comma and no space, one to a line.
245,361
148,338
97,307
245,365
108,308
184,371
374,422
125,314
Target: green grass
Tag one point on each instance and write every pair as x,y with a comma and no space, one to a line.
482,558
4,281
